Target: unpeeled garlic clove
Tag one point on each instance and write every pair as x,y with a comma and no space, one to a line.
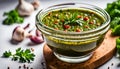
36,4
24,8
38,33
38,38
19,33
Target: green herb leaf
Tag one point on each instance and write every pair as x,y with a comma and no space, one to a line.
116,31
15,58
21,55
7,54
114,10
118,45
115,22
118,41
12,17
73,20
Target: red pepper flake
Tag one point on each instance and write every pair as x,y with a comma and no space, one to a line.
86,18
91,22
78,30
79,16
66,26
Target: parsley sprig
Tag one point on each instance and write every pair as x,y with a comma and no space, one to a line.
114,12
73,20
12,17
20,55
7,54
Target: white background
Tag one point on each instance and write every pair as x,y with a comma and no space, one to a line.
6,34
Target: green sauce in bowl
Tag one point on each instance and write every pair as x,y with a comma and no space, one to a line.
73,20
73,30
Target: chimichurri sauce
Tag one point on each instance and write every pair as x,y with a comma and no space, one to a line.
73,20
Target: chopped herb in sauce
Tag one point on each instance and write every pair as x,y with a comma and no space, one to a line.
73,20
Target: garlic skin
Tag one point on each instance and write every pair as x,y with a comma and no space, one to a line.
24,8
38,38
18,34
36,4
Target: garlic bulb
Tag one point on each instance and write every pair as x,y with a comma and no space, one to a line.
24,8
36,4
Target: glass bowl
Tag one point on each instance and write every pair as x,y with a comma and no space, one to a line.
73,47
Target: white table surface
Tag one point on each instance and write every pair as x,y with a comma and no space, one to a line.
6,33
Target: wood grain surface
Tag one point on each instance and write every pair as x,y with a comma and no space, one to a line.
101,55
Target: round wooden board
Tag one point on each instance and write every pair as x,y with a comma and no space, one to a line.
102,54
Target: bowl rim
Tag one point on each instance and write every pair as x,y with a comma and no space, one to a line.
106,23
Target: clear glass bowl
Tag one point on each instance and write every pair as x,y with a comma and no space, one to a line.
73,47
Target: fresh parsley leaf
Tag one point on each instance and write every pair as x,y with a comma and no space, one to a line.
114,11
7,54
21,55
115,22
25,56
113,8
118,45
15,58
12,17
116,31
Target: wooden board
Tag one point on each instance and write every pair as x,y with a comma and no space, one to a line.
101,55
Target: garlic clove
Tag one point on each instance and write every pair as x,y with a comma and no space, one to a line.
36,39
38,33
36,4
18,34
24,8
